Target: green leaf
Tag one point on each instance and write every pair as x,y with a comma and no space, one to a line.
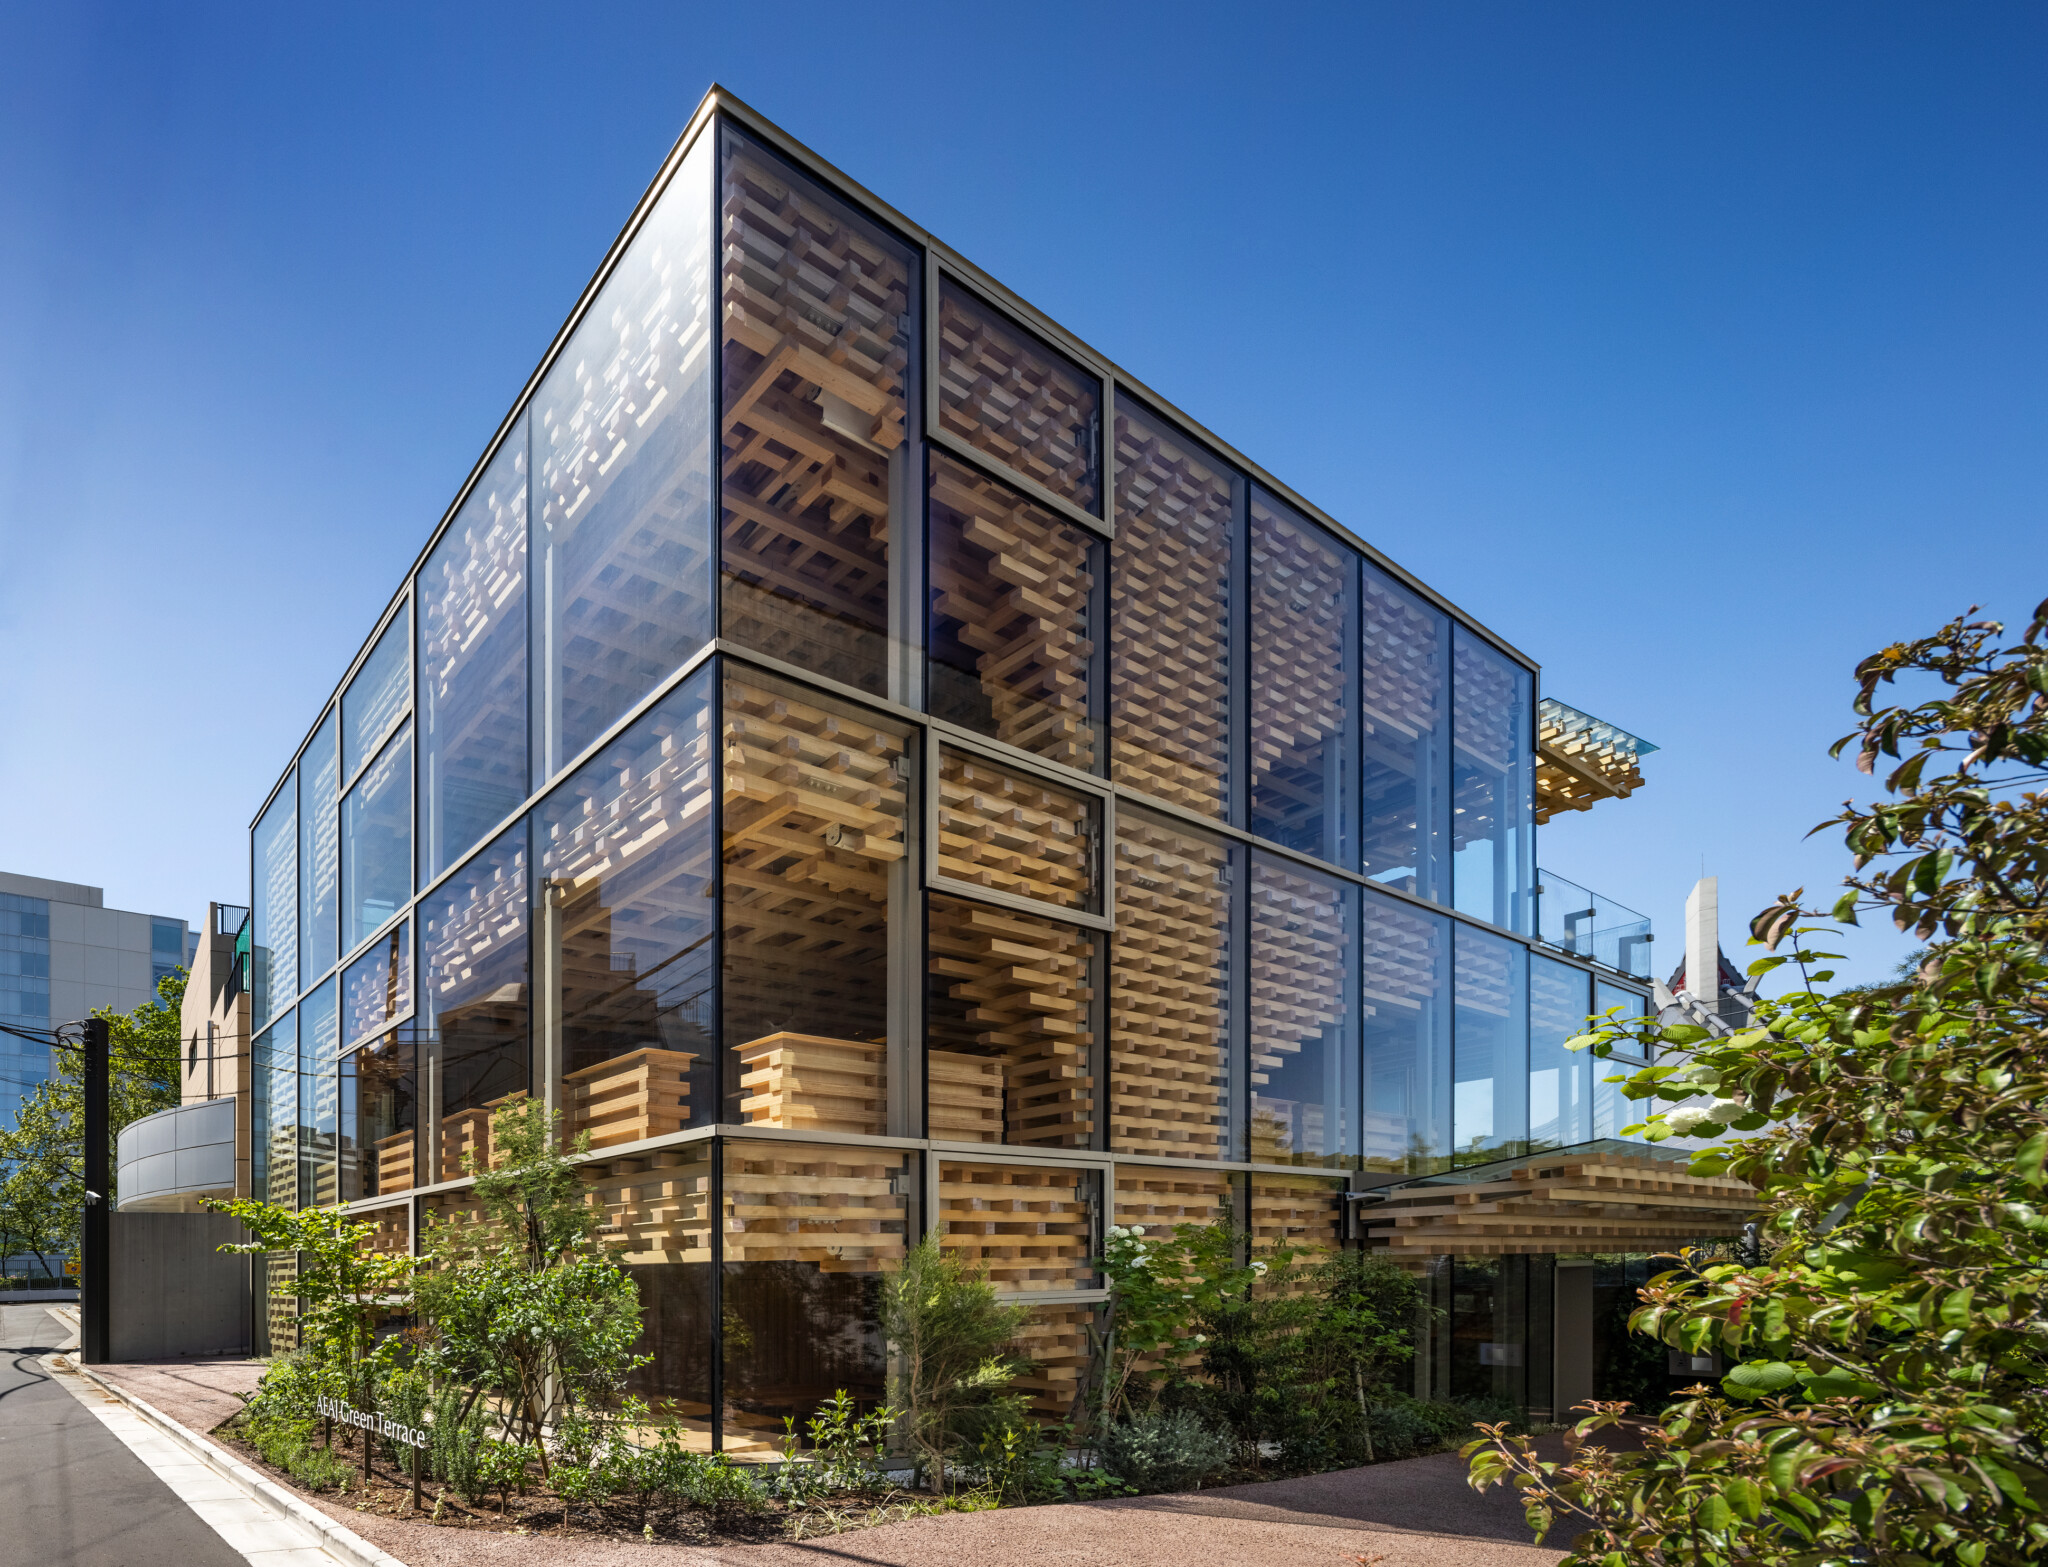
1715,1515
1758,1379
1744,1495
1839,1384
2033,1155
1955,1309
1682,1034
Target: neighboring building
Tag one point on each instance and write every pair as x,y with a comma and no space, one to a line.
873,766
63,953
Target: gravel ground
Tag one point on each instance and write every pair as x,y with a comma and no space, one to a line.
1417,1513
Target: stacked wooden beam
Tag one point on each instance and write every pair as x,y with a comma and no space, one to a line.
963,1097
1158,1197
1016,987
842,1209
1304,1212
1169,973
1169,618
814,1084
644,1093
1011,833
655,1208
1599,1202
1029,1226
394,1164
1006,393
1011,583
392,1235
1055,1339
817,326
1300,956
1581,760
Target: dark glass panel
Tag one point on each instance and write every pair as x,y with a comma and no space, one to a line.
472,657
376,989
626,857
1171,567
820,313
1404,678
1490,1051
1304,685
1011,644
1304,1025
621,428
1024,403
379,1116
276,1061
319,1047
1407,1038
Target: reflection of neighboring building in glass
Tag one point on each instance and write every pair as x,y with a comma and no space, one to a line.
873,767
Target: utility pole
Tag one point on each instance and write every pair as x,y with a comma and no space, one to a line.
94,1298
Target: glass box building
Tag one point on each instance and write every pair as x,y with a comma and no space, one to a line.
874,767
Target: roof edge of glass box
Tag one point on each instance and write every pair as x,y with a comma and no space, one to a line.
719,100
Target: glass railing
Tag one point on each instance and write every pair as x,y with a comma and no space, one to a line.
1590,926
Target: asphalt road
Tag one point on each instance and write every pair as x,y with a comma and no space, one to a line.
71,1495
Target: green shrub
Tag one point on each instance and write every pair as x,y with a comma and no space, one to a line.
1166,1450
318,1468
1018,1465
1410,1427
455,1440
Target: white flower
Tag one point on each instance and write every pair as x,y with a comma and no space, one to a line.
1258,1267
1725,1109
1683,1121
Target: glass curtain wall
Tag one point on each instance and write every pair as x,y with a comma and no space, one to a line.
274,912
278,1115
1560,1080
1172,571
378,696
621,517
376,989
1490,1048
472,661
376,842
319,850
379,1116
820,353
1304,683
319,1039
1404,759
475,1001
1493,785
1611,1109
625,851
1407,1045
1304,1015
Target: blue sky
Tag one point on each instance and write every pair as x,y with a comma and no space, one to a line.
1696,349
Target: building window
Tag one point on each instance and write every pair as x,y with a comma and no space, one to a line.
378,696
1490,1048
1304,683
621,551
379,1116
1612,1110
474,999
1304,1032
1011,639
1407,1038
815,797
319,1127
1010,1040
1020,401
1560,1080
1170,994
319,851
376,989
1404,678
472,660
1171,569
1010,832
274,925
1493,784
276,1069
627,859
376,842
820,309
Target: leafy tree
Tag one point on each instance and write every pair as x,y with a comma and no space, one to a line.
954,1347
1159,1287
1361,1330
1890,1397
42,1189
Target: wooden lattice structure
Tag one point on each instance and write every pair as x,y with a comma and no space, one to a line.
1156,1198
1017,988
1302,1212
1055,1340
842,1209
1584,1202
1169,977
963,1097
1011,833
1300,997
1580,760
1489,731
1301,656
1406,967
814,1083
817,318
1169,618
628,1098
1026,405
1010,586
1029,1226
391,1233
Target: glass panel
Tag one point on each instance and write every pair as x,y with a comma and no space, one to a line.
376,842
1304,1040
319,1037
1404,678
1490,1056
662,1209
377,696
1560,1080
1303,683
1030,1226
1169,990
819,315
24,998
474,993
472,612
319,860
1583,922
626,861
1493,785
815,796
622,555
1170,570
1297,1211
1157,1198
277,1080
376,989
1010,1043
1494,1339
379,1116
1010,833
1011,640
274,923
1005,392
809,1232
1407,1038
1612,1110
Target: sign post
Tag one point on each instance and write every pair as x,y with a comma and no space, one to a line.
334,1411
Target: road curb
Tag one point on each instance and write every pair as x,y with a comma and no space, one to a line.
343,1542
